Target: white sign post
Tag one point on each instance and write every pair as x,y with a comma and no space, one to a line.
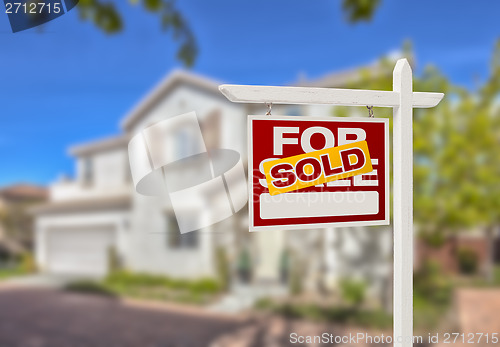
402,99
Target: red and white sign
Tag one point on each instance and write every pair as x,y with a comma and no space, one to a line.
353,201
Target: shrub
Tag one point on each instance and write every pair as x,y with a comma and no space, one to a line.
244,266
28,263
204,285
128,280
90,287
467,261
353,291
432,284
377,319
223,269
264,304
496,275
284,267
295,283
114,261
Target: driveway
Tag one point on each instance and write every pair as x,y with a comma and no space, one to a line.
42,280
32,317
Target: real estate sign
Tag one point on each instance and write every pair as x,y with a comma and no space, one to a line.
317,172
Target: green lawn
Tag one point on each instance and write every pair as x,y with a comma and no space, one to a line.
151,287
9,272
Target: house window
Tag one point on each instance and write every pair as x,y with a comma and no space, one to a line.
88,171
211,127
175,239
128,172
184,144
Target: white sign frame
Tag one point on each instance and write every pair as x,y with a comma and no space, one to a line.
385,221
402,99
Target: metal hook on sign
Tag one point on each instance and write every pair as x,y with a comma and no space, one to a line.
269,107
370,111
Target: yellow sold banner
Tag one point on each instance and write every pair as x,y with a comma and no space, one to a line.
318,167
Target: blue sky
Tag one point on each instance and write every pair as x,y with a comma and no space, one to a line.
69,82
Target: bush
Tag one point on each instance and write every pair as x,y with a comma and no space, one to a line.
296,274
223,270
467,261
432,284
264,304
28,264
114,261
377,319
125,279
295,283
496,275
151,287
432,291
284,267
244,266
353,291
90,287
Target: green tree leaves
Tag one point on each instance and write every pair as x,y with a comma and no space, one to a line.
106,16
456,167
360,10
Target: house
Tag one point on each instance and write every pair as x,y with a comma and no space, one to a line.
467,252
99,213
16,232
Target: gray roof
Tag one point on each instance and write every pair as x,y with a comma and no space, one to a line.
84,205
108,143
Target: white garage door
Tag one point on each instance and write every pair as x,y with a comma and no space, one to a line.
79,251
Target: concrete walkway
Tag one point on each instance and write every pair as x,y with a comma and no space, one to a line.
243,297
479,310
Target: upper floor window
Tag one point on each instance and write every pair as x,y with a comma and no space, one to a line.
185,143
175,239
128,172
88,171
211,127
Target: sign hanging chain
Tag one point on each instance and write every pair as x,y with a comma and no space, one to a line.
269,107
370,111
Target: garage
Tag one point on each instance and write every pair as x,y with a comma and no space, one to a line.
79,251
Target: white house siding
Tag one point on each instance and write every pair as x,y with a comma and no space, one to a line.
115,221
111,169
150,250
361,253
111,177
186,98
69,191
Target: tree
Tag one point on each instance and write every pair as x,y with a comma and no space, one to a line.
456,157
480,198
107,17
360,10
457,160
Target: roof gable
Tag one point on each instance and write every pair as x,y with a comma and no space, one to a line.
166,86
